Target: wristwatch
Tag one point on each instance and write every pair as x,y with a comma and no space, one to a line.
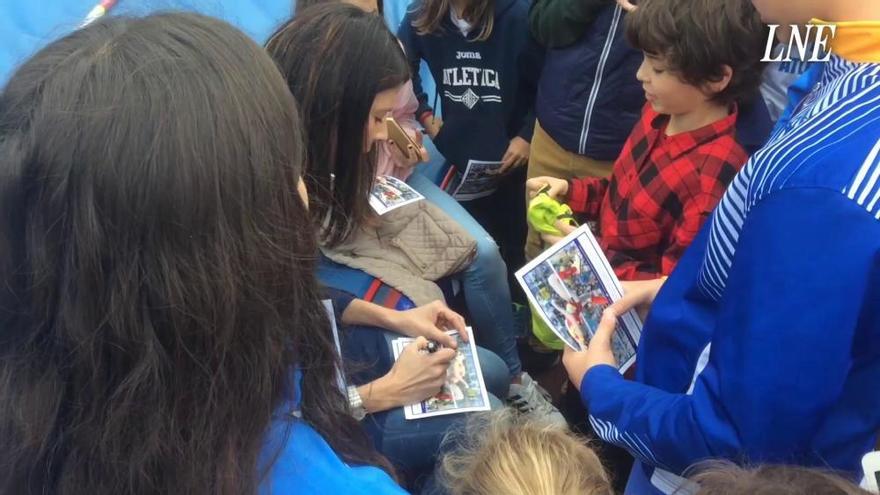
358,411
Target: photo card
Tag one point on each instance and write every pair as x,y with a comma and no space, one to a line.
570,285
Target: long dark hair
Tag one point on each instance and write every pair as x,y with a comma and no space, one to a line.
431,14
336,59
300,5
157,276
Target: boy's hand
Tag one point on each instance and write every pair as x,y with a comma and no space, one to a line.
517,155
430,321
627,5
558,187
638,295
563,227
432,126
598,352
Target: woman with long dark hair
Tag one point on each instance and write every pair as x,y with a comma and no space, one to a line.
347,69
161,326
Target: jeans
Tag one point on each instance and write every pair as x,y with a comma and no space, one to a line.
486,291
410,444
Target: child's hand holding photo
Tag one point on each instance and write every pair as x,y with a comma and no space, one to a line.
598,351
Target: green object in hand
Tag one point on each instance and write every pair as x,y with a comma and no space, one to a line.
545,211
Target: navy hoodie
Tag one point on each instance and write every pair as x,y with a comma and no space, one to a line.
488,87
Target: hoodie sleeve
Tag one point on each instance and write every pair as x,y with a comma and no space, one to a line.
531,64
773,370
557,23
407,35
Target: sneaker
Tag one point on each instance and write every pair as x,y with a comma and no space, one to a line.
530,398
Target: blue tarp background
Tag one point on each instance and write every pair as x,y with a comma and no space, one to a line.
25,26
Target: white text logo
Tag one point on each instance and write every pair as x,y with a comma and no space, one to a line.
806,43
471,76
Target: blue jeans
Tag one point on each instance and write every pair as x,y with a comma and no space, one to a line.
485,281
410,444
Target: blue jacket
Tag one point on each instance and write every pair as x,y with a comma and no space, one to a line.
305,464
487,87
588,96
764,344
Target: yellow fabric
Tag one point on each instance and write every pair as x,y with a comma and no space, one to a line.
543,213
856,41
547,158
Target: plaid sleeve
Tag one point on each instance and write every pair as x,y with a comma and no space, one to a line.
585,195
715,175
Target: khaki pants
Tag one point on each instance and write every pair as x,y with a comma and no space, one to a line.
549,159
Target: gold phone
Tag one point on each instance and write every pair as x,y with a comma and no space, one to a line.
400,138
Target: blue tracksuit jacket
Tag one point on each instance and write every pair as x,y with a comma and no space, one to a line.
764,344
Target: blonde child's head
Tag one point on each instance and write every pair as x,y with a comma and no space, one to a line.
503,452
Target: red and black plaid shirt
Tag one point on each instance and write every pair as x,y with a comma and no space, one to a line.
661,190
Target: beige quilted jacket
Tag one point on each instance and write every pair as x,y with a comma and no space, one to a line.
409,249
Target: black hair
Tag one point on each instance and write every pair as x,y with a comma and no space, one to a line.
336,59
158,275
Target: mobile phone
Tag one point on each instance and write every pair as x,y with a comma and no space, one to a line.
400,138
871,467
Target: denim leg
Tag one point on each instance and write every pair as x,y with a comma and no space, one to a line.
485,281
495,374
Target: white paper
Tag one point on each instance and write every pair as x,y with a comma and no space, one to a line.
570,285
340,375
390,193
479,180
464,391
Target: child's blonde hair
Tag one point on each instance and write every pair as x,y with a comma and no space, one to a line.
506,453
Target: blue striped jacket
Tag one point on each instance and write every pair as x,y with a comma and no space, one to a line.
764,344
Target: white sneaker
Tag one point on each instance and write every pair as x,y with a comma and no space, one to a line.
530,398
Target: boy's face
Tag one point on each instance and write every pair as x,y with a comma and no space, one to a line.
666,93
788,12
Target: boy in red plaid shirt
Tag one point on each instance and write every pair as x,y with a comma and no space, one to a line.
683,153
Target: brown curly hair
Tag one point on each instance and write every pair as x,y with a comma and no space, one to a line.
698,38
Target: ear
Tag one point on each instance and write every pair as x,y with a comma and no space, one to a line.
714,87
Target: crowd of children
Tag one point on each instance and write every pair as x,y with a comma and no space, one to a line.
174,196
